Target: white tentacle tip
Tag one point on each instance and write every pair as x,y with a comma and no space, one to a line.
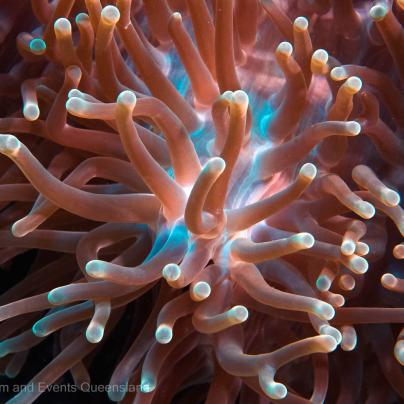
110,14
320,56
31,111
348,247
366,210
17,231
324,310
353,127
399,351
301,24
354,84
226,95
323,283
94,333
362,248
9,145
127,98
240,97
82,18
349,338
75,105
201,291
378,11
338,73
239,314
164,334
63,26
358,265
95,268
276,391
389,280
38,330
332,332
177,16
55,296
398,251
74,92
216,164
285,48
171,272
305,240
308,171
390,197
337,300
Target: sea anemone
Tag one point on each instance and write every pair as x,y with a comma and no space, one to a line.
205,193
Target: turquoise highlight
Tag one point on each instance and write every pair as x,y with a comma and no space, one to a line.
55,296
37,45
37,330
178,78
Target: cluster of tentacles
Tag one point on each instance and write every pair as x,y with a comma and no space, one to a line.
221,176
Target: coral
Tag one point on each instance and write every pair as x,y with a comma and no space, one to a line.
221,178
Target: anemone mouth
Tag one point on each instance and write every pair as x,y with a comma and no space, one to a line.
200,193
